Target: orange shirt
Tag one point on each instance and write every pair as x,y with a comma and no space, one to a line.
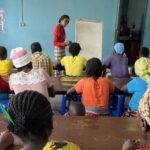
95,92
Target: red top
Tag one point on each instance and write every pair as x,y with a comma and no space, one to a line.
59,37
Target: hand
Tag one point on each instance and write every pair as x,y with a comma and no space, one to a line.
124,55
68,43
130,144
58,145
6,139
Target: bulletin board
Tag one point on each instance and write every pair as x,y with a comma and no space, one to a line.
89,34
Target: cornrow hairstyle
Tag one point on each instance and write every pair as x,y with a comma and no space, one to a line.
36,47
94,68
63,17
3,53
74,49
32,115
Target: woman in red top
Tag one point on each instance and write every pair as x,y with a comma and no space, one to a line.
60,37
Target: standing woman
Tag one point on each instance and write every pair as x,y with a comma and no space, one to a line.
60,37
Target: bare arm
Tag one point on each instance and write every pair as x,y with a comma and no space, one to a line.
71,91
124,88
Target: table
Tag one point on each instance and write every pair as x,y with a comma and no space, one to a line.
62,84
105,133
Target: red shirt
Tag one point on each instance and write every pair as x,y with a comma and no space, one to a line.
59,36
4,86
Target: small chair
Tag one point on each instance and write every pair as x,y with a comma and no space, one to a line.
118,109
65,101
4,99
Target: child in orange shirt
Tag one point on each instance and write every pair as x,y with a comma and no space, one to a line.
94,89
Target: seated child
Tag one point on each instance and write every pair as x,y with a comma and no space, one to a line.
74,64
144,124
28,78
5,70
143,65
5,64
117,62
39,60
137,87
32,124
94,89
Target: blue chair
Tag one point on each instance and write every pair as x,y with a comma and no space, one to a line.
4,99
118,109
65,102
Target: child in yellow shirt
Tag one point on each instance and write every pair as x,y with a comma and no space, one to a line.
32,124
5,64
74,64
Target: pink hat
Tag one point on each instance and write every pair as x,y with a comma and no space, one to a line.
20,57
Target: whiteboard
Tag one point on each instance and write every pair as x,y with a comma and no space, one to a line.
89,35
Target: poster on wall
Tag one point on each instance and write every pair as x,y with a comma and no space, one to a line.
1,20
89,34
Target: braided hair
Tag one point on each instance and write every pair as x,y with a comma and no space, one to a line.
94,68
32,115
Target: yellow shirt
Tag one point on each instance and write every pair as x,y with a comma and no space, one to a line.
73,65
69,146
5,68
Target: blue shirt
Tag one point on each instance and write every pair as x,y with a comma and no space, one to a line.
137,87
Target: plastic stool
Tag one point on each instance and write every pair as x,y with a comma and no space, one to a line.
117,110
4,99
64,103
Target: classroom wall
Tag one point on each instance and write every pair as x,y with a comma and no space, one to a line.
146,41
41,16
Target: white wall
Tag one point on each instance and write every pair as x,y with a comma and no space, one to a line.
136,13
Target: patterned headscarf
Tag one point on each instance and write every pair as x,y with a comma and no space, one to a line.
144,106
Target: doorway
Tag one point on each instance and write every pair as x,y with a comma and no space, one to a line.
131,25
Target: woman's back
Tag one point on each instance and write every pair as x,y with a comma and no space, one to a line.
118,65
36,80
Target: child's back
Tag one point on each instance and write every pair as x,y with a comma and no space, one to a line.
39,60
137,87
94,89
95,94
74,64
118,63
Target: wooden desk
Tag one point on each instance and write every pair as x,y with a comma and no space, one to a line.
62,84
99,133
